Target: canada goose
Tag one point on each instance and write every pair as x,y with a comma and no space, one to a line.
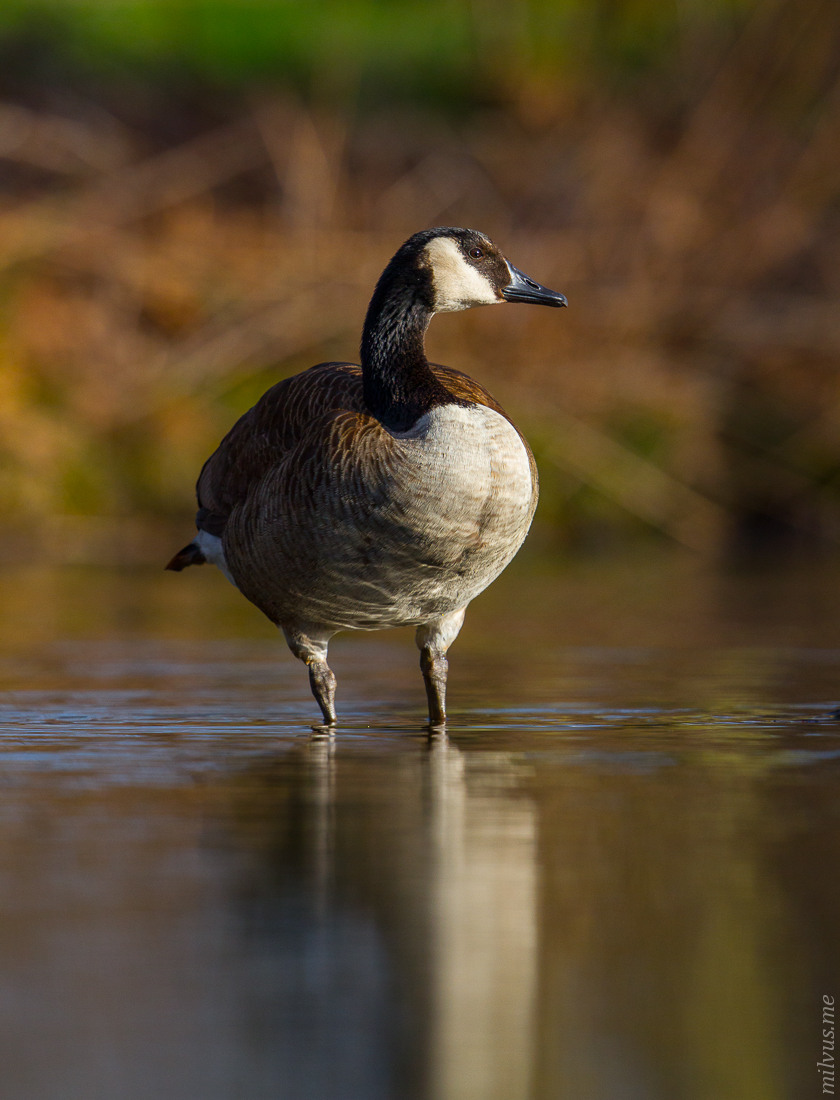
387,494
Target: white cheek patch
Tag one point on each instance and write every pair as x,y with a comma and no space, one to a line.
457,283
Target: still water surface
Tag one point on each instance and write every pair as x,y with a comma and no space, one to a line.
617,876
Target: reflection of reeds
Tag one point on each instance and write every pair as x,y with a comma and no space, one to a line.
148,298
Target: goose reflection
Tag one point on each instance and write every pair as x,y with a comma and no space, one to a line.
393,919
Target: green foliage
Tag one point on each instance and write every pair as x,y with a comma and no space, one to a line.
444,50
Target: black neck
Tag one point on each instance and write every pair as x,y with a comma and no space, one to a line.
399,385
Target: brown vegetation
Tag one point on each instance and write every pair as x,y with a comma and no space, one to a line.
692,387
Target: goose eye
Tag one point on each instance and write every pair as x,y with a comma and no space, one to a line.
476,253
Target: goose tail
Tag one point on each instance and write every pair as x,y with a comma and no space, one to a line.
190,555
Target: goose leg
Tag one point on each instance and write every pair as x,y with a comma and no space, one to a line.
433,640
435,671
313,653
322,682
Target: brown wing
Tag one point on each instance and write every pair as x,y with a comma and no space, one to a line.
466,388
259,439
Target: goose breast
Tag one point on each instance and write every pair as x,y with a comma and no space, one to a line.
360,527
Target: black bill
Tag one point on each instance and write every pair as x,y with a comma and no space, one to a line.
522,288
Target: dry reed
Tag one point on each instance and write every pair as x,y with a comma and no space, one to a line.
147,298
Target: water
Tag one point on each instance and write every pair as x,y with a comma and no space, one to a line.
617,876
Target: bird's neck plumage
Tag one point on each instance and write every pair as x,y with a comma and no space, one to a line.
399,384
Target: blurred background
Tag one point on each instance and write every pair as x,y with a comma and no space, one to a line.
611,878
197,196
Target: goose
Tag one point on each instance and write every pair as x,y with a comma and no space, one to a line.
390,493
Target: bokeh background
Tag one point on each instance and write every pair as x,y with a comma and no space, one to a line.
196,197
617,875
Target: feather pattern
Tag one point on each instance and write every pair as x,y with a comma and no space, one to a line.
289,414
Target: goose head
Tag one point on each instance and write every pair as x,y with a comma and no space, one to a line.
436,271
466,269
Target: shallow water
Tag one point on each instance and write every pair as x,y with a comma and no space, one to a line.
616,876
